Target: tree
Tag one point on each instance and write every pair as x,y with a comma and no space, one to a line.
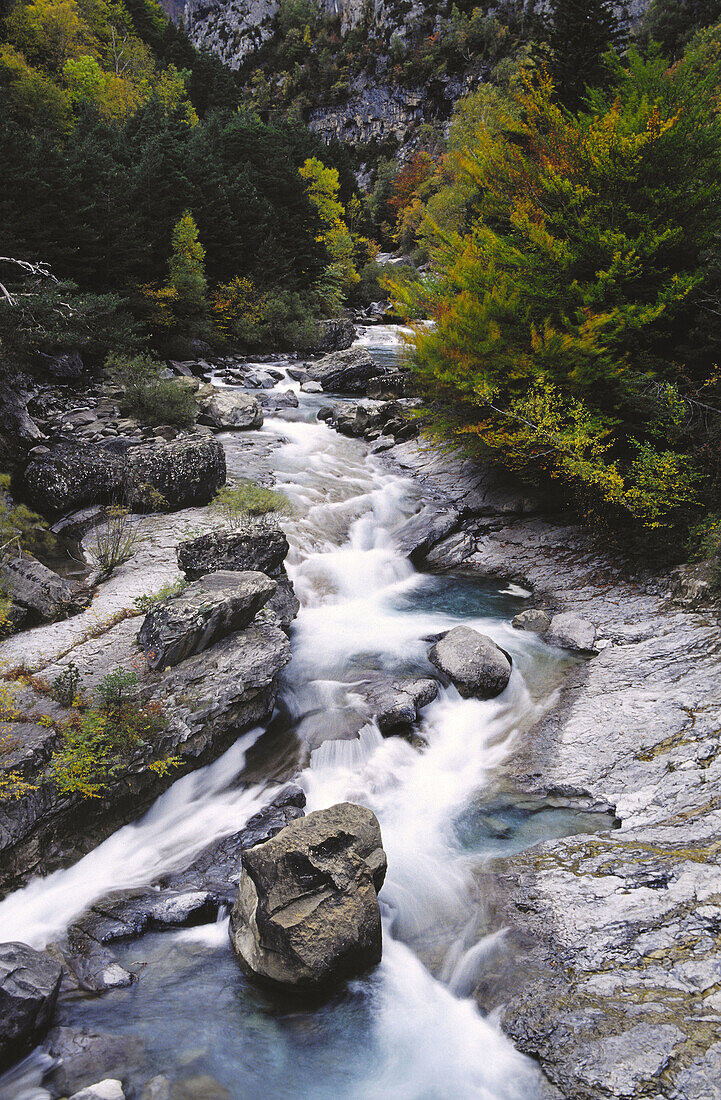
580,33
187,267
322,186
565,298
672,23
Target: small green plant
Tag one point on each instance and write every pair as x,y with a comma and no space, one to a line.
143,604
705,546
66,685
114,541
118,688
249,501
20,528
147,395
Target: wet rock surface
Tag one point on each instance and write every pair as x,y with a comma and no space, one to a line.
29,985
209,609
472,662
395,704
307,913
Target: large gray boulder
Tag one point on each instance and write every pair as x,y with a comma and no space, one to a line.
208,610
186,471
29,984
473,662
35,587
229,410
533,620
395,704
252,546
336,334
570,631
307,913
345,371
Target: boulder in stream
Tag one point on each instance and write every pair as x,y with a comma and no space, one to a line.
345,371
396,703
35,587
533,620
472,662
336,334
228,410
307,913
29,984
261,547
208,610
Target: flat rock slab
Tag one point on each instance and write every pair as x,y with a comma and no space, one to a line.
208,610
307,913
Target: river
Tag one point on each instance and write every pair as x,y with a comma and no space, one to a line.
410,1030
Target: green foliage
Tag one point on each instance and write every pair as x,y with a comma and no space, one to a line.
146,603
115,540
118,688
187,267
147,395
66,685
248,501
580,35
571,266
673,23
21,528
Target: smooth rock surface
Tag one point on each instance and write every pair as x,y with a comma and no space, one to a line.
571,631
229,410
536,622
208,610
395,704
307,913
29,984
472,662
35,587
109,1089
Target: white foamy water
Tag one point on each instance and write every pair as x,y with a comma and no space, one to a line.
365,611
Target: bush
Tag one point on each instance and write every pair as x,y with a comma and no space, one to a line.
149,397
117,689
114,541
144,604
249,501
65,686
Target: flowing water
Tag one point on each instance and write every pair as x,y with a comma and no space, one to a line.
408,1030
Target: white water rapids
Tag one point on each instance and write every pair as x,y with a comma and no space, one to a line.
364,608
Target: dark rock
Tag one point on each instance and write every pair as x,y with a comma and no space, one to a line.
35,587
213,607
262,547
325,412
307,913
186,472
345,371
298,374
283,605
472,662
336,334
66,367
228,410
396,703
29,984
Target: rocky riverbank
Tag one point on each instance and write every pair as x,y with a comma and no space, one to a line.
610,976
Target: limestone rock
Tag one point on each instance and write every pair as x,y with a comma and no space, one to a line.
345,371
473,662
307,913
261,547
571,631
29,984
229,409
336,334
533,620
109,1089
208,610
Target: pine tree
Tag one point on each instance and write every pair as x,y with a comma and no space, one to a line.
187,267
580,33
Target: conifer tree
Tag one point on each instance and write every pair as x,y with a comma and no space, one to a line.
580,33
187,267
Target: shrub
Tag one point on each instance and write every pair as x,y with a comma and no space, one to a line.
118,689
249,501
114,541
148,396
144,604
65,685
